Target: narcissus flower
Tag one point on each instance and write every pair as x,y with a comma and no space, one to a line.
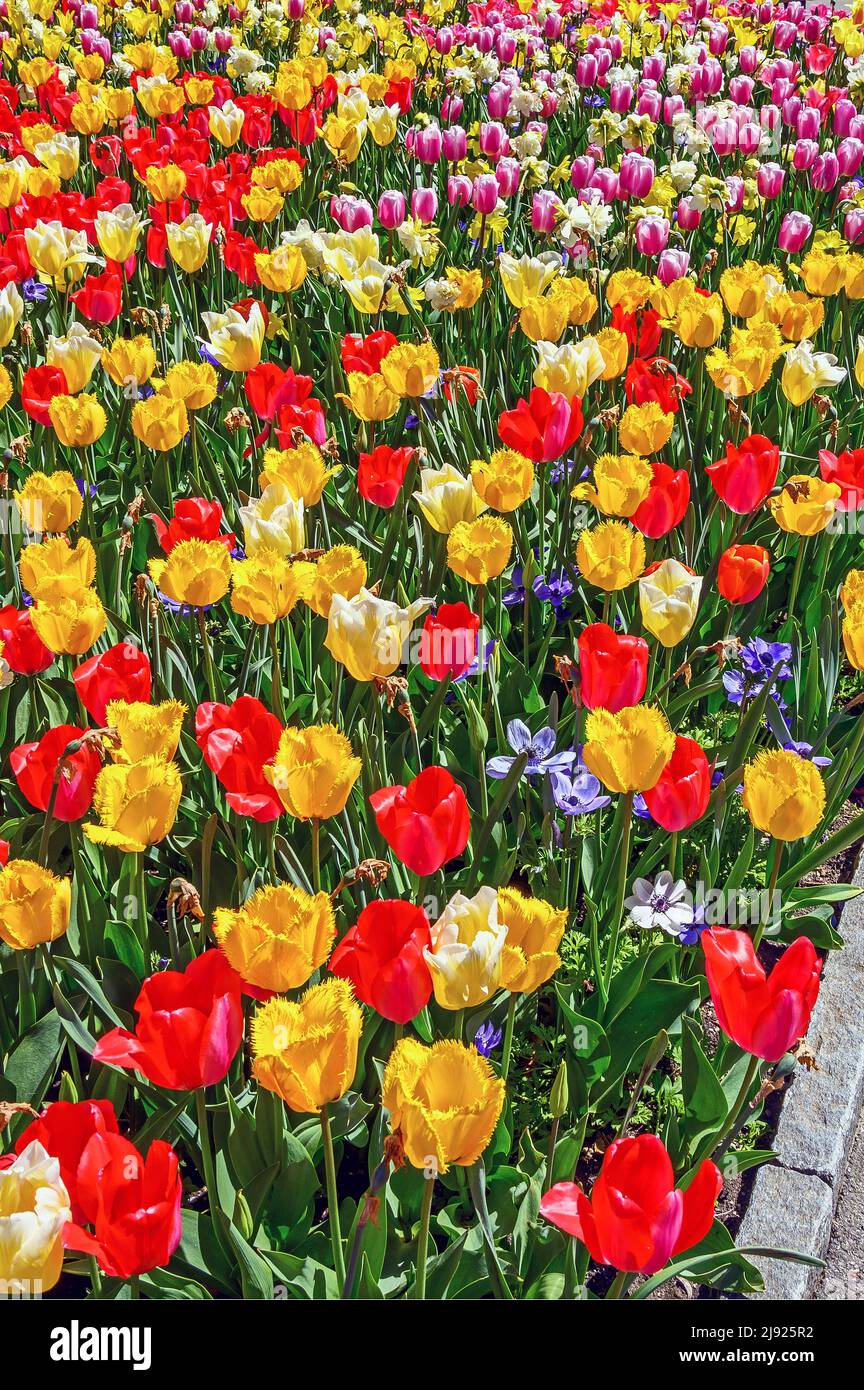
34,905
145,730
479,550
278,937
34,1213
534,931
668,601
313,771
444,1101
160,421
136,803
382,956
784,794
628,750
49,502
425,823
764,1015
307,1051
190,1025
367,633
804,505
611,555
636,1219
465,954
196,573
505,481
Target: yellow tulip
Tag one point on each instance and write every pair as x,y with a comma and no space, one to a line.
444,1102
743,289
446,498
236,341
480,550
226,123
610,555
306,1052
117,231
621,484
34,1208
77,355
699,319
313,771
189,241
369,397
465,954
266,586
11,312
262,204
527,277
130,362
668,601
784,794
193,383
806,371
823,274
136,803
34,905
628,290
274,522
340,570
49,502
575,297
278,937
282,271
160,422
853,636
644,429
628,751
78,421
505,481
366,633
543,319
411,370
167,184
571,368
195,573
301,470
71,624
58,253
614,348
55,569
145,730
534,931
804,505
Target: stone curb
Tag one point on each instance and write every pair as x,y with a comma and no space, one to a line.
793,1199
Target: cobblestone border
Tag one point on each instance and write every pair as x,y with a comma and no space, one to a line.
793,1199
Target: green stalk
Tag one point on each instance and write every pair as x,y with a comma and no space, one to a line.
624,853
332,1198
423,1238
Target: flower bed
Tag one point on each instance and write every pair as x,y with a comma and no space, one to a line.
432,635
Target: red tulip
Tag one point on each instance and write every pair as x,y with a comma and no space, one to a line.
39,386
190,1025
100,297
380,475
382,956
636,1218
64,1130
743,572
23,652
4,853
766,1015
745,477
426,823
193,518
613,668
237,741
456,381
681,795
365,355
448,642
642,329
655,379
268,387
34,766
544,427
847,470
667,501
121,673
132,1203
308,418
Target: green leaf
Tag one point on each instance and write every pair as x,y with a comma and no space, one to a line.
31,1067
705,1104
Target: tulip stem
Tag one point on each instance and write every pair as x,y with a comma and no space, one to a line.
26,1001
332,1196
316,855
618,1285
423,1238
777,855
737,1116
208,655
276,676
216,1214
508,1036
796,579
623,862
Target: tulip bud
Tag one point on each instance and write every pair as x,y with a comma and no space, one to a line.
559,1096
